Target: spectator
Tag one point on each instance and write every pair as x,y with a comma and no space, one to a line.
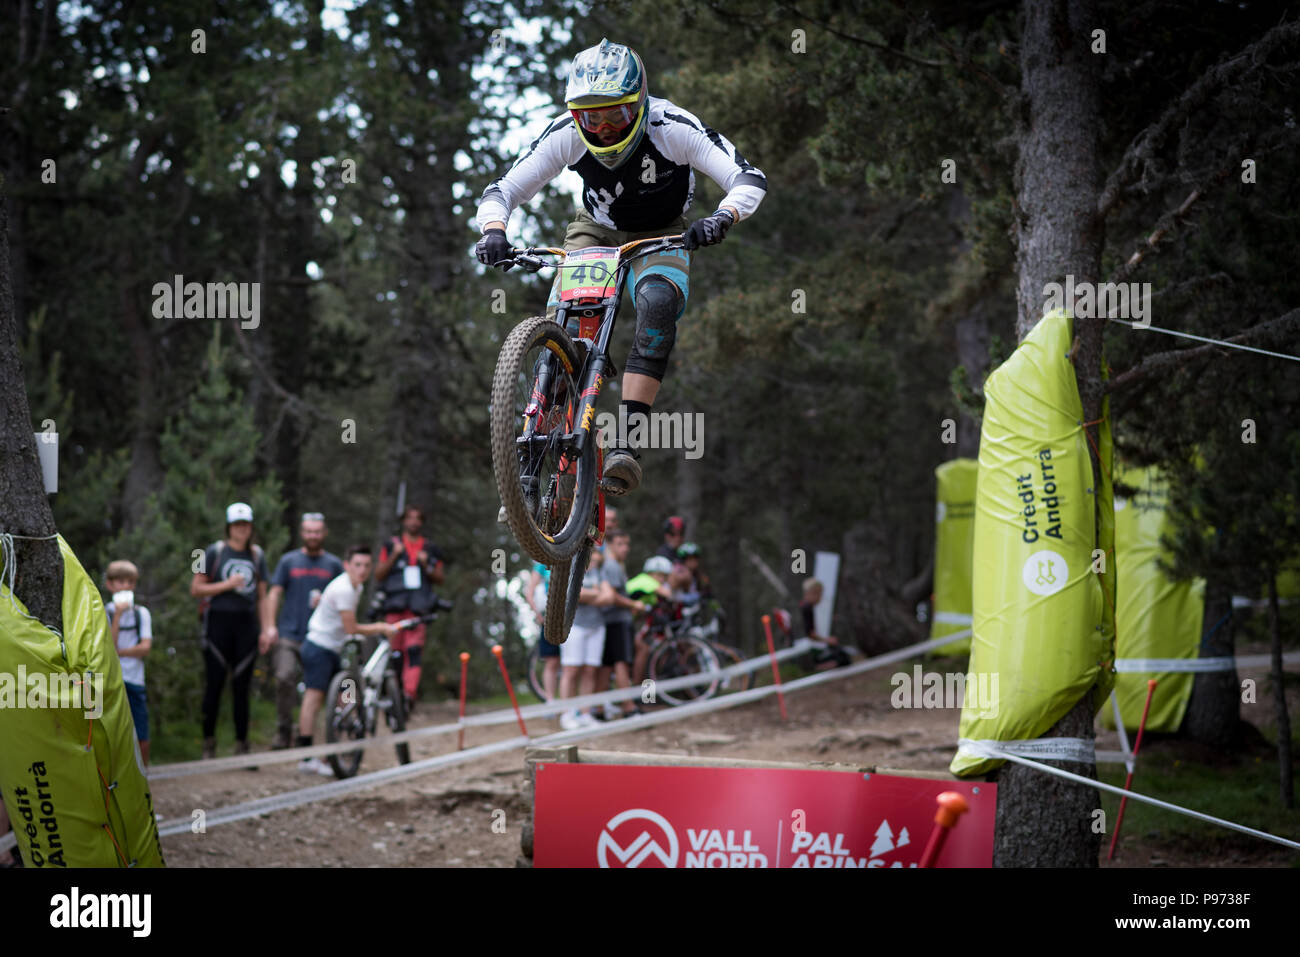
832,656
581,655
132,628
550,654
689,555
674,535
234,583
680,583
618,654
300,577
611,520
649,588
333,620
409,566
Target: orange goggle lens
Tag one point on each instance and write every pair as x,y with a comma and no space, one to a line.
616,116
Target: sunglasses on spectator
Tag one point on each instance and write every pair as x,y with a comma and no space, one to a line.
313,517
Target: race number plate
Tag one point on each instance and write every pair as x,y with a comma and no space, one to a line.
589,273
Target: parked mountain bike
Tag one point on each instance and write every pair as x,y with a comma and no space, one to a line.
544,394
360,694
709,623
688,645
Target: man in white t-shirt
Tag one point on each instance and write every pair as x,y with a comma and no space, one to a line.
333,620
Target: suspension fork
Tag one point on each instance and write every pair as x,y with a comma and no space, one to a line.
592,381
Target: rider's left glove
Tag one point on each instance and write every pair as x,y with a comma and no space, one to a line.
710,230
493,248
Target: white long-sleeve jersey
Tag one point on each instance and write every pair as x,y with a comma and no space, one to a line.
650,189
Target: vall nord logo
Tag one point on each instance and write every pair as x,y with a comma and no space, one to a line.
645,835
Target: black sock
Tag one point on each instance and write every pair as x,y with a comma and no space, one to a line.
304,741
633,408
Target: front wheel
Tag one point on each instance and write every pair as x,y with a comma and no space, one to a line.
344,721
397,714
547,492
676,657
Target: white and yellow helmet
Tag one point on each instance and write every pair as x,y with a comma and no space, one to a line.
607,89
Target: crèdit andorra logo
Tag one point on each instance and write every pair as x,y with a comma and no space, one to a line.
1045,572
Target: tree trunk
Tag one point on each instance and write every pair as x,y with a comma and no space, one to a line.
24,509
1214,709
1042,820
1279,697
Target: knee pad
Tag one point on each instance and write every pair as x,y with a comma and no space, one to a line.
658,302
413,656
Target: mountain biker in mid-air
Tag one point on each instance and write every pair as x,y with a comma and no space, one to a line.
636,154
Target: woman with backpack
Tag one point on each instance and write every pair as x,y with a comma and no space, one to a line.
233,581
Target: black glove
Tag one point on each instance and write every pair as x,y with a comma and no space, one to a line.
709,230
493,248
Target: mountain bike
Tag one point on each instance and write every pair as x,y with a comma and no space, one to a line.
359,694
709,620
545,453
679,647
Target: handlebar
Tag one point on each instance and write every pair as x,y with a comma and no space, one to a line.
439,604
528,257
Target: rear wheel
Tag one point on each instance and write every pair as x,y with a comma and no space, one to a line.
728,656
562,598
535,399
675,657
537,670
344,721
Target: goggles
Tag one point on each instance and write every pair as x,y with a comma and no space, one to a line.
618,117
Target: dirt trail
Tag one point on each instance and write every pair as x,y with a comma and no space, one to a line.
445,818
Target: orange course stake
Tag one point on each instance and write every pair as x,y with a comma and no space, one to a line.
951,807
1119,820
776,672
464,674
496,650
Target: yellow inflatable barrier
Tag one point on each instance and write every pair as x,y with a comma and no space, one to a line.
954,544
1159,619
1043,619
70,768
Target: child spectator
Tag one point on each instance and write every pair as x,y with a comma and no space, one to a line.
581,655
132,637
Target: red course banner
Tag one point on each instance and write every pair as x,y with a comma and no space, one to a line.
612,815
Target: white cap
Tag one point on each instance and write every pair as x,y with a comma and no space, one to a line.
657,563
239,512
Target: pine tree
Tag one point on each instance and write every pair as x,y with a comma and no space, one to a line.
209,454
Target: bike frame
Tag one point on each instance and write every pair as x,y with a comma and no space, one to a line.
592,374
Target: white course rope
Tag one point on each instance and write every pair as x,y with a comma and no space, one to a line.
985,750
1216,342
503,716
1198,665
